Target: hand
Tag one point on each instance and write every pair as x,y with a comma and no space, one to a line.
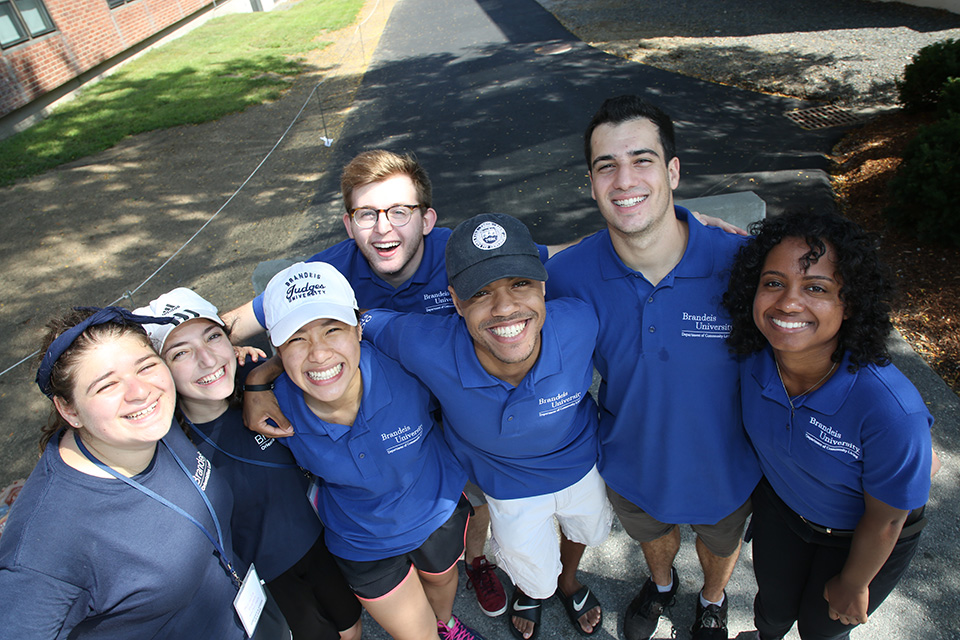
259,407
710,221
244,352
846,603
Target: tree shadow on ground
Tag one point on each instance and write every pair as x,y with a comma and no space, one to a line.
688,18
809,76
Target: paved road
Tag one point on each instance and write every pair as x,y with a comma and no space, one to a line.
471,87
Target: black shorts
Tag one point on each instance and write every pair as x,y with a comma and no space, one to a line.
374,579
313,596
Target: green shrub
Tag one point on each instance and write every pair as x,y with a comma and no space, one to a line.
923,78
949,98
925,195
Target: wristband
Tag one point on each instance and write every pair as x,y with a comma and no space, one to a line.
258,387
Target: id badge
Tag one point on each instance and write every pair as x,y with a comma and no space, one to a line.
250,601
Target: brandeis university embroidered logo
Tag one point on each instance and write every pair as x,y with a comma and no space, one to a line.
489,236
703,325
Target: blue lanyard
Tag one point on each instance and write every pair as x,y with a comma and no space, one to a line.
217,542
259,463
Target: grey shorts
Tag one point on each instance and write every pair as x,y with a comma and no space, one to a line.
474,494
721,539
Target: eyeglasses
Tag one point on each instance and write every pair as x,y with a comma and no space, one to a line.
397,215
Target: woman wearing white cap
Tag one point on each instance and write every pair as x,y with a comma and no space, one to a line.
390,493
122,530
274,526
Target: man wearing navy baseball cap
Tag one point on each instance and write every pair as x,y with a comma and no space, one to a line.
512,374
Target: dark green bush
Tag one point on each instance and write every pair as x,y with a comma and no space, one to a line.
926,189
949,98
923,78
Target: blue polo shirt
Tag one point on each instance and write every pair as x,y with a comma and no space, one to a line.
515,442
389,480
425,292
671,440
863,432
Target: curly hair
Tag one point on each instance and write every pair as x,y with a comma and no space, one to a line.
865,283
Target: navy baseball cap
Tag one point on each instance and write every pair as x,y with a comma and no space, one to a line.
489,247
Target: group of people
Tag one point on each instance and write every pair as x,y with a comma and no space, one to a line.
430,385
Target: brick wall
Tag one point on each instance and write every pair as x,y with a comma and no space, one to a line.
88,33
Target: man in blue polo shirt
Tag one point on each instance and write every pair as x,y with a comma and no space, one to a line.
512,374
672,448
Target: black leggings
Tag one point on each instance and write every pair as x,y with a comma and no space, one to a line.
792,563
314,597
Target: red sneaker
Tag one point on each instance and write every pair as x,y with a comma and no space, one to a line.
482,577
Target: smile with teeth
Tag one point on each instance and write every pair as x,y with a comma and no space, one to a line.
213,377
630,202
386,246
510,330
788,325
142,413
326,374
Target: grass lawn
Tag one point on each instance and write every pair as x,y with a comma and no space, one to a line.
224,66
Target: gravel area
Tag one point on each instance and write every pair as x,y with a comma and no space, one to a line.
848,52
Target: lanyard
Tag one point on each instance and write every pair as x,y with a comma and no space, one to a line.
217,542
259,463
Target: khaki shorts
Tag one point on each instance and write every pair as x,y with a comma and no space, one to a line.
721,539
524,534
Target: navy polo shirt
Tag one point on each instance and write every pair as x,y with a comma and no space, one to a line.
425,292
270,503
671,440
389,480
863,432
515,442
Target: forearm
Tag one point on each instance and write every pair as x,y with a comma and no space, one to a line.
848,593
242,323
265,373
873,540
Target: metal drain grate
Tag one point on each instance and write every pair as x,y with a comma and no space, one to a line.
823,117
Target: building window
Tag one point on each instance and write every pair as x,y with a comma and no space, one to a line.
113,4
21,20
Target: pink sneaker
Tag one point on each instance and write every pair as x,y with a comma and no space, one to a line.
482,577
458,631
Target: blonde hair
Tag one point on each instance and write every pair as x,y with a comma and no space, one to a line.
380,164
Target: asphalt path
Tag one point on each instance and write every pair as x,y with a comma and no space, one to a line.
493,96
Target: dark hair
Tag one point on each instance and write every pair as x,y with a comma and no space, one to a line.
623,108
865,284
378,165
62,375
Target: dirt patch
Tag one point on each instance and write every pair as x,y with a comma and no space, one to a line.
928,305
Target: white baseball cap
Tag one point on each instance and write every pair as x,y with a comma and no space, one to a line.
305,292
181,304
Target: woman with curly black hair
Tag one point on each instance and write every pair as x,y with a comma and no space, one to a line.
843,438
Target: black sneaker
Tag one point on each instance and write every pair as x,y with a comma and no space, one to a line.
643,615
711,623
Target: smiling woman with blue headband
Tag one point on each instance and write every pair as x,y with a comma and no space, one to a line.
122,530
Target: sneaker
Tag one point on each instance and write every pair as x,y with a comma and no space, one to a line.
458,631
711,622
643,615
490,594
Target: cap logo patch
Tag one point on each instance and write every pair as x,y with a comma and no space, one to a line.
489,236
297,289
